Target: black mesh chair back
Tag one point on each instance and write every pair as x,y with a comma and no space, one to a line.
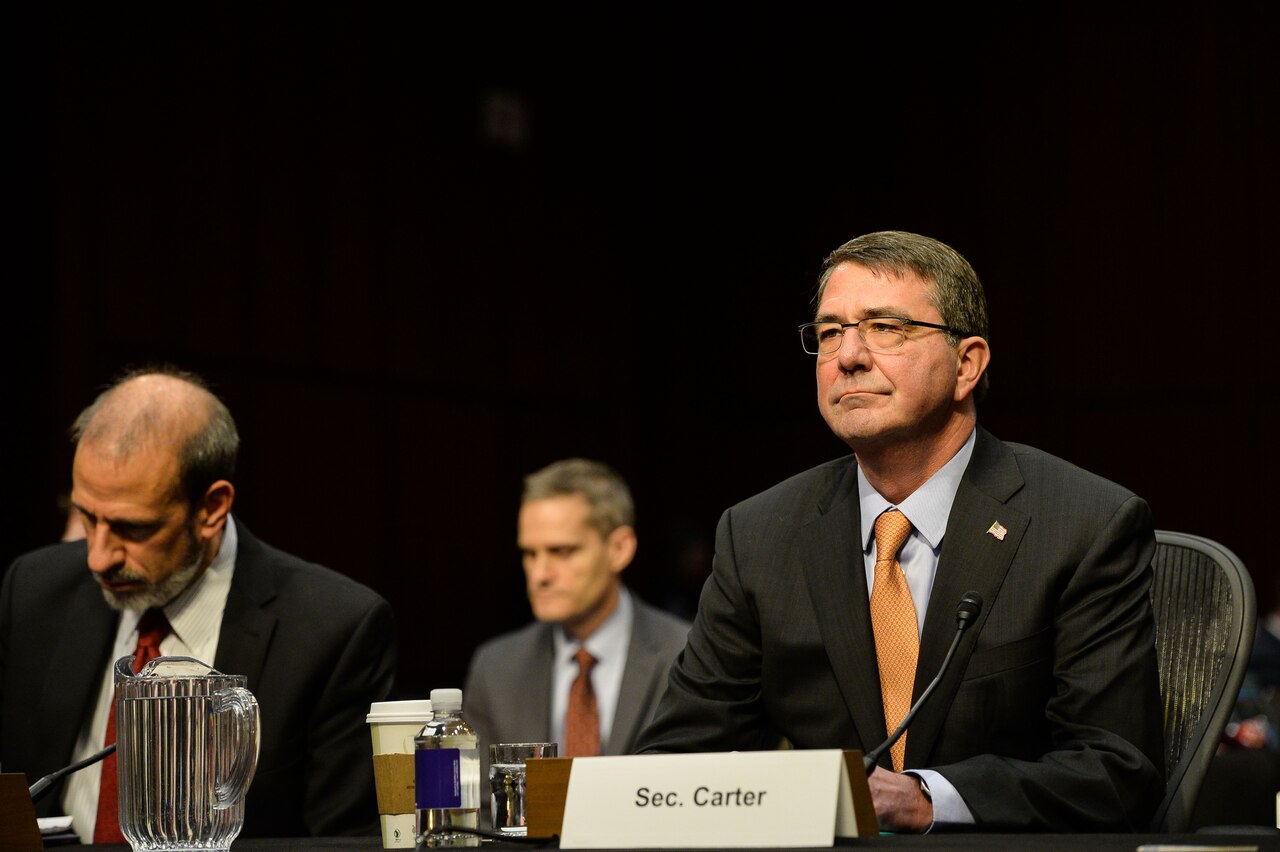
1205,615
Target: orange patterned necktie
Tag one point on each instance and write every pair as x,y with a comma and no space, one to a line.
893,621
152,628
582,722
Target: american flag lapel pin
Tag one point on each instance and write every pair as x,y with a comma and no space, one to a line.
998,530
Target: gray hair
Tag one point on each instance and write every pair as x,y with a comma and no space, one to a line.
130,421
600,485
953,285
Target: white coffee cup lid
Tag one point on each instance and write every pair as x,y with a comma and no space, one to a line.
417,710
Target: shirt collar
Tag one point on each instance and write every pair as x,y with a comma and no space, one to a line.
927,508
609,638
197,611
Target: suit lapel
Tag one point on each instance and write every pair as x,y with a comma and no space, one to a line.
523,663
247,625
831,554
541,660
638,676
971,559
71,676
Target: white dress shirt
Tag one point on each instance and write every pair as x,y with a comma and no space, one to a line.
196,618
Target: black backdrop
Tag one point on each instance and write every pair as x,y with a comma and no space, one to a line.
421,253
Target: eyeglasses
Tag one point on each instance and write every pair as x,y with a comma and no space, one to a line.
879,334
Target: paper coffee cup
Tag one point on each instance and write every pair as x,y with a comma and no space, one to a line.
392,727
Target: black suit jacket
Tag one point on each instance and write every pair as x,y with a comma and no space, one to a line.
317,649
1049,717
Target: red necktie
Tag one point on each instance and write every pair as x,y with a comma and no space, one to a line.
893,621
582,722
152,628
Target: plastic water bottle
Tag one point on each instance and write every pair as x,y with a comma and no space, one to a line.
447,774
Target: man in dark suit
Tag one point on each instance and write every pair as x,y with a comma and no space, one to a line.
576,532
1049,715
151,480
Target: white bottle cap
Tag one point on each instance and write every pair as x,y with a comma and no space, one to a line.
446,700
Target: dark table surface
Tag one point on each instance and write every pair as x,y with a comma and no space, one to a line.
1246,838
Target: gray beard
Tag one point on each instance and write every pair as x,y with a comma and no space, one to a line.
159,594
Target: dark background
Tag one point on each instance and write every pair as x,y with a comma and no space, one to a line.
422,253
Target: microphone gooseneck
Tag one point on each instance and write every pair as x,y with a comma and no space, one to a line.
42,786
966,613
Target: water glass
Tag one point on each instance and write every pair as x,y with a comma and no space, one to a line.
507,783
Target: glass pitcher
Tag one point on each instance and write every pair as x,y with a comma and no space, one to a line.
186,750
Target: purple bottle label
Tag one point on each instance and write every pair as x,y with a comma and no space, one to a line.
438,778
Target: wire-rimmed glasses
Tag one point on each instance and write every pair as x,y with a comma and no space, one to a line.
879,334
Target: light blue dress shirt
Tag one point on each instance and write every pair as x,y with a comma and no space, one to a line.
609,645
927,509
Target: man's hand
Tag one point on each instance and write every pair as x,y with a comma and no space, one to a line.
900,805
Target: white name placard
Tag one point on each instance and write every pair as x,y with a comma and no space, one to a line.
787,798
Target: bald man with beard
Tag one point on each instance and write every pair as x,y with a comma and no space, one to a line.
152,484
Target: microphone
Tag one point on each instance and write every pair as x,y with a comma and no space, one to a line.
42,786
966,613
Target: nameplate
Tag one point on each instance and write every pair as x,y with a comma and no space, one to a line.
19,831
786,798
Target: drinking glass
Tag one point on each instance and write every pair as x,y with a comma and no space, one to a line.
507,783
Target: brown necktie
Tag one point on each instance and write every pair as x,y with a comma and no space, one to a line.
152,628
893,620
582,722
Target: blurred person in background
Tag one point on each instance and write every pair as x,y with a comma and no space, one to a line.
592,638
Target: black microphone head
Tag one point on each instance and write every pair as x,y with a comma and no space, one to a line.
967,611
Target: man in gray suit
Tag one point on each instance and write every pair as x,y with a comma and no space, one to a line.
576,533
1049,716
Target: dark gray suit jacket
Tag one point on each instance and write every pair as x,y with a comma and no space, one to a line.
1049,717
317,649
507,696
